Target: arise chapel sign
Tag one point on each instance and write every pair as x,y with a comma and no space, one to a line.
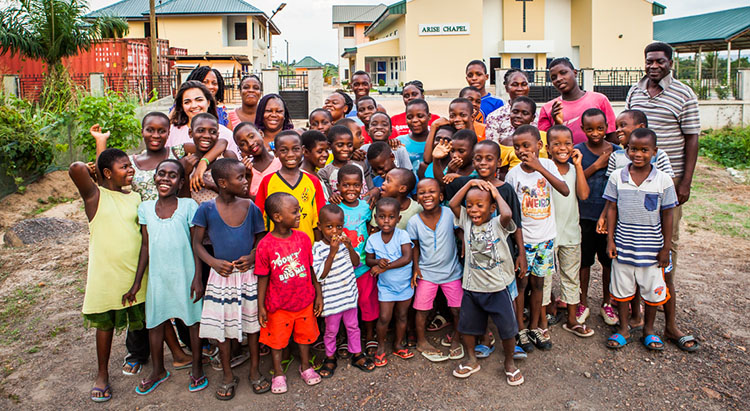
444,29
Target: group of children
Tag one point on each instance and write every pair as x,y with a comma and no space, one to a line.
349,222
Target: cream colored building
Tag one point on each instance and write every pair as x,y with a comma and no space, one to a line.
350,23
217,27
433,40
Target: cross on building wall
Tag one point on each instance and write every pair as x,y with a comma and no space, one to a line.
524,13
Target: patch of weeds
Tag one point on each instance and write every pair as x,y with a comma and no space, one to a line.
47,204
33,350
14,398
14,309
56,331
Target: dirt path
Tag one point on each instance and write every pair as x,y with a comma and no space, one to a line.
47,359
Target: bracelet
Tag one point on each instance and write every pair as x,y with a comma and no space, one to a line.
208,163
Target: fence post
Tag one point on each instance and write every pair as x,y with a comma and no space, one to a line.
314,88
10,85
588,79
270,81
96,84
499,86
743,88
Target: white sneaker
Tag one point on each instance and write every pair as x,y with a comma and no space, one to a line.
608,314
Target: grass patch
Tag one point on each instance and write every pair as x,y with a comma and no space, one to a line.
57,331
729,147
13,310
47,204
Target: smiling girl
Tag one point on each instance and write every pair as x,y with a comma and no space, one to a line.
251,90
212,79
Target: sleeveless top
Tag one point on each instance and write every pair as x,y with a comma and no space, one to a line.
143,180
114,247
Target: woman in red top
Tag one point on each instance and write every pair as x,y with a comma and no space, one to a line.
412,90
251,90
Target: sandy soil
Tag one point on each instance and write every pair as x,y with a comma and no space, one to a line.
47,360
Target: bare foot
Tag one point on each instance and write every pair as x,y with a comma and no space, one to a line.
425,347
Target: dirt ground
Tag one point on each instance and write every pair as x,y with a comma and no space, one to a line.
47,359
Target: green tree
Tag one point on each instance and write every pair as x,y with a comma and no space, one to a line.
51,30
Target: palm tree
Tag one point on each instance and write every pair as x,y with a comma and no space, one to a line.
51,30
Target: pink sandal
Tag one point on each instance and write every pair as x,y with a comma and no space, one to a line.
278,384
309,376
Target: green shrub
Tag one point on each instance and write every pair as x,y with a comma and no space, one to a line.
23,151
729,147
115,114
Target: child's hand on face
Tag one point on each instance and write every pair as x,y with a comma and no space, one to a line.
455,164
448,178
335,242
359,155
96,132
243,263
576,157
532,161
345,240
557,112
196,290
442,149
601,225
223,267
248,163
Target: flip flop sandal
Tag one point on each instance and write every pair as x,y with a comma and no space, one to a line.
457,353
366,366
447,341
216,363
212,351
653,339
343,352
404,353
197,384
579,330
228,389
619,339
371,347
510,375
314,363
519,353
258,385
328,368
380,360
680,342
483,351
464,371
154,384
278,384
132,365
239,359
411,341
309,376
319,346
438,323
264,350
104,397
435,356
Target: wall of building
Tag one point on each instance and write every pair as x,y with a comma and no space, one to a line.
581,12
440,61
620,45
136,30
558,30
513,20
492,22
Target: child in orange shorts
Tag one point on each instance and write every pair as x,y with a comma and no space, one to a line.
289,295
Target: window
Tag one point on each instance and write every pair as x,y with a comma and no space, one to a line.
147,30
240,31
348,31
528,64
549,60
253,27
515,63
346,73
382,69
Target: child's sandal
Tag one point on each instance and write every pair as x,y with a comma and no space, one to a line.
510,375
226,391
380,360
278,384
261,385
309,376
328,368
404,353
197,384
367,365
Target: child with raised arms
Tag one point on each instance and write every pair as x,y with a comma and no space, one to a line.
639,236
389,253
357,216
488,271
533,182
461,151
568,240
314,151
334,259
175,287
230,309
595,153
289,295
290,179
443,134
258,161
435,265
114,247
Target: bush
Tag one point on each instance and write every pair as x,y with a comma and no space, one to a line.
729,147
381,82
115,114
23,151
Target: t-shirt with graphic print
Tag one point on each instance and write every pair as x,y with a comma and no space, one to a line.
489,265
355,227
535,194
288,263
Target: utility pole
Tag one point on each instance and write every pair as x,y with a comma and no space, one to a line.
287,54
268,34
152,43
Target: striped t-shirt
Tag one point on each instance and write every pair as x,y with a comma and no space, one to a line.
340,286
638,236
620,159
671,114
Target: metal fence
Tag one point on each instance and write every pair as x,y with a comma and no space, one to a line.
30,86
541,89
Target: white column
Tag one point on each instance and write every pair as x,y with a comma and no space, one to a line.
588,79
314,88
499,86
699,62
10,85
96,84
270,81
744,93
729,64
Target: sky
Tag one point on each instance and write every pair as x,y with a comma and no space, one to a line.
306,24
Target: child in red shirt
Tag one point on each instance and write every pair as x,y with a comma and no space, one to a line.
289,295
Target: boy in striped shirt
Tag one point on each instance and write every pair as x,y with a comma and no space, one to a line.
639,235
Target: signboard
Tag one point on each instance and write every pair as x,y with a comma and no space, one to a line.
452,29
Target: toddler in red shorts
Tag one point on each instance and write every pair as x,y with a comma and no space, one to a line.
289,295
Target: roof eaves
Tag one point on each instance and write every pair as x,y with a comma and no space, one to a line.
393,9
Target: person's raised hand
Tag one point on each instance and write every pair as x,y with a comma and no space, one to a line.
395,143
576,157
455,164
557,112
442,149
359,155
448,178
99,136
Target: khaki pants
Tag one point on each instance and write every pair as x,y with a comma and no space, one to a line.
568,263
676,217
